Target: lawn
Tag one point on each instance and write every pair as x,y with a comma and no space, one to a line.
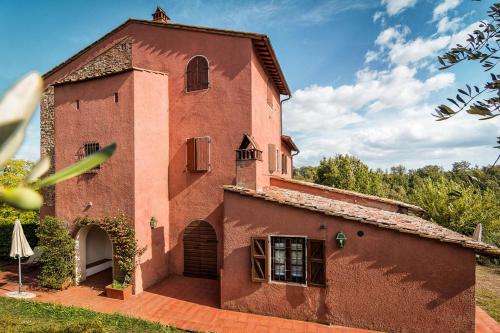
488,289
18,316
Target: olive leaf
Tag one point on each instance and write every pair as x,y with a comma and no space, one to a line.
78,168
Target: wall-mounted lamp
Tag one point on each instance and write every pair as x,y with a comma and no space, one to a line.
341,238
153,222
322,226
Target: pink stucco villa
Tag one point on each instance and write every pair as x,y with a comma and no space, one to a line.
196,113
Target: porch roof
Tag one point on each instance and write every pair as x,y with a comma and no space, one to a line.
380,218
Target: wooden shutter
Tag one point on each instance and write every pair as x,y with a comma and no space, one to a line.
191,154
202,154
259,256
203,73
272,157
198,154
316,263
197,74
284,167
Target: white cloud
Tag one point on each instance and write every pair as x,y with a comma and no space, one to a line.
443,8
379,16
371,56
392,34
416,50
397,6
446,25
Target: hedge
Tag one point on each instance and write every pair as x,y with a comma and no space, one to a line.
6,237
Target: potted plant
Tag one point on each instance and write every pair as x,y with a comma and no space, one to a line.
118,290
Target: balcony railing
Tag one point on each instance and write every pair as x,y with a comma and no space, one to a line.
248,154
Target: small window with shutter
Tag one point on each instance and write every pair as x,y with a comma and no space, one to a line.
197,74
259,255
198,154
284,166
272,157
316,268
269,93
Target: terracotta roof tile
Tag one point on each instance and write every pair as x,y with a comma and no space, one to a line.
381,218
355,194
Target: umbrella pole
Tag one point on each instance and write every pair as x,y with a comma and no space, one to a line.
19,269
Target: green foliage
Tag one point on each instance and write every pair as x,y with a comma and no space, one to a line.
20,316
481,46
6,237
11,175
125,248
57,262
118,285
458,199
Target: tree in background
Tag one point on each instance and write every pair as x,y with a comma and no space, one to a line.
11,175
458,199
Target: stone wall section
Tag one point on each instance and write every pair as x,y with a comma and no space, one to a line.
116,59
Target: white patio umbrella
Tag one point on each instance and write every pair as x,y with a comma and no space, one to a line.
19,248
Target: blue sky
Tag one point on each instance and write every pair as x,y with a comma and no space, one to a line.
363,73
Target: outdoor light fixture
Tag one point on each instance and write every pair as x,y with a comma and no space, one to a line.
153,222
322,226
341,238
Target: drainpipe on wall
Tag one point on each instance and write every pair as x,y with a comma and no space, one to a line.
281,110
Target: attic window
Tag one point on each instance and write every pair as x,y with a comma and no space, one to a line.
248,150
197,74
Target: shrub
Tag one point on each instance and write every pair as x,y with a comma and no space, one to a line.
125,247
58,253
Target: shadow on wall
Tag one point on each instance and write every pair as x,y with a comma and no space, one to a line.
158,263
430,270
418,261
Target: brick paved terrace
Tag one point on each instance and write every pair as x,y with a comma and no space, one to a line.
186,303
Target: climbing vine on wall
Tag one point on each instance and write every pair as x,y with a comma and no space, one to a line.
126,251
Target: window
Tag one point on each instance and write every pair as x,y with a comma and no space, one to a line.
288,259
272,157
116,97
197,74
77,104
284,161
89,149
269,93
198,154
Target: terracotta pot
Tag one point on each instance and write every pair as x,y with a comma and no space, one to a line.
122,294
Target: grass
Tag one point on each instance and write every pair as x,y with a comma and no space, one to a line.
488,289
21,316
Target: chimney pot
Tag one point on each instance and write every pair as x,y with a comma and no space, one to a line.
160,15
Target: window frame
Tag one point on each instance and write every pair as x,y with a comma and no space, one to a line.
288,273
209,85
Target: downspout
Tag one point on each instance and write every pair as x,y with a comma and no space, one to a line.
281,111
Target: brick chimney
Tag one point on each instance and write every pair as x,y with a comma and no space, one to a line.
248,164
160,16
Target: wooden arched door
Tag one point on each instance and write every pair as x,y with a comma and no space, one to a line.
200,250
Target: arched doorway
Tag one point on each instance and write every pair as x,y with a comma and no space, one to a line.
94,252
200,250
